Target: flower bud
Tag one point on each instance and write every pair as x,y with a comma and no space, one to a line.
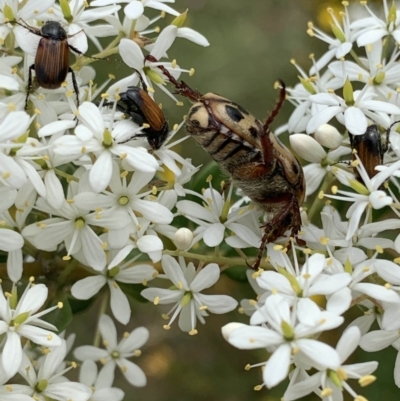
229,328
327,135
183,239
307,148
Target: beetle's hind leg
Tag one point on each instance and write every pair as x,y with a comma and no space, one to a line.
287,216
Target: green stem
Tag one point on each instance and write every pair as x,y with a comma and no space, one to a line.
111,49
65,272
102,310
356,58
67,176
220,260
385,48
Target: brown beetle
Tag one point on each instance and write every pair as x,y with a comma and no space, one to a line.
259,164
370,148
142,109
52,57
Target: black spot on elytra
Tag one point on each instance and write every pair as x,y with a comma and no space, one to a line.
243,110
234,113
253,132
194,110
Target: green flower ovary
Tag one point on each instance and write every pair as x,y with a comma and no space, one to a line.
20,319
107,139
186,298
123,200
79,223
287,330
41,385
113,272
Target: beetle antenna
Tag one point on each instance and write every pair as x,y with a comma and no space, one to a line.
25,25
275,111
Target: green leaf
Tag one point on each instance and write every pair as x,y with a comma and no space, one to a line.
237,273
61,318
133,291
80,305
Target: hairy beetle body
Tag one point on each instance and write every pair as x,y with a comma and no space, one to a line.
231,135
259,164
142,109
257,161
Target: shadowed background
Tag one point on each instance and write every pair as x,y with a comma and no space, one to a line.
251,45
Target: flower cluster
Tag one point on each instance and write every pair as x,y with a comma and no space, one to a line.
345,124
86,188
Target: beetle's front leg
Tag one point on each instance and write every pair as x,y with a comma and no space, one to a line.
264,137
286,215
75,85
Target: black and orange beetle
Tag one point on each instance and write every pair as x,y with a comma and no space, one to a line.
143,110
52,57
258,163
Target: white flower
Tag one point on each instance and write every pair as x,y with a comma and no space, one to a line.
310,281
186,296
340,45
93,136
100,385
49,382
368,195
74,229
370,30
133,56
352,113
290,331
116,271
379,339
135,9
24,321
334,382
117,353
130,197
382,77
213,220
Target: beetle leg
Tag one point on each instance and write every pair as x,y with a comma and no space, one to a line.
75,85
265,140
28,91
134,137
182,88
75,50
288,215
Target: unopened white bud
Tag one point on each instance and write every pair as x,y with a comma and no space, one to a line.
229,328
183,239
307,148
327,135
